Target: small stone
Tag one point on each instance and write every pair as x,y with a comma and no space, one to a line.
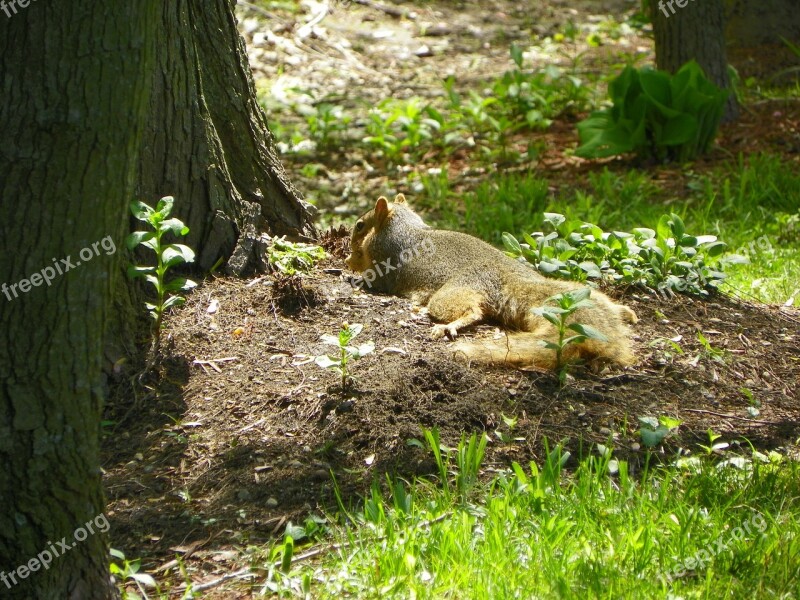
345,407
272,502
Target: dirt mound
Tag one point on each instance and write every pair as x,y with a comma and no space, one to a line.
243,430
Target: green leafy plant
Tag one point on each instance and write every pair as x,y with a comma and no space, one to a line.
714,447
656,115
507,437
533,99
518,100
653,431
667,259
167,256
293,257
327,124
128,570
566,304
400,127
469,455
346,351
716,354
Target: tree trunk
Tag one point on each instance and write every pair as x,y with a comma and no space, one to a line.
75,93
208,143
693,29
750,23
94,114
756,31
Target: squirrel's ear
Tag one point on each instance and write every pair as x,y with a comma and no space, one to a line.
400,199
381,209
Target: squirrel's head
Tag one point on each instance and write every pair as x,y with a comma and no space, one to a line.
372,223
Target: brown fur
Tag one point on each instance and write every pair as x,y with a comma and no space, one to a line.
463,280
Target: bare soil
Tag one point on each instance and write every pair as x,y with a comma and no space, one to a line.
243,432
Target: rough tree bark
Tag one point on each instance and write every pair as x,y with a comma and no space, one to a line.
101,102
73,97
693,29
208,142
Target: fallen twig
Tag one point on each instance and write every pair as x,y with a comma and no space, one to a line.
213,362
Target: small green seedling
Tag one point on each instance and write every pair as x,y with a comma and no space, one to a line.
128,570
653,431
346,351
167,255
291,257
567,303
716,354
714,447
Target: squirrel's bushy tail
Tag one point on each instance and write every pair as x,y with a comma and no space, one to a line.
525,349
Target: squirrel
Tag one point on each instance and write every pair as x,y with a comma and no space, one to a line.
463,280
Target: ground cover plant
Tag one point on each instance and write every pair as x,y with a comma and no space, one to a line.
656,115
693,528
254,472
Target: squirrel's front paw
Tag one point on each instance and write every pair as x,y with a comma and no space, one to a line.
439,331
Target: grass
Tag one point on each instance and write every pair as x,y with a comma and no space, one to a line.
753,205
694,529
703,528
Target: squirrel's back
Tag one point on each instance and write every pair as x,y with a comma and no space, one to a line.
463,280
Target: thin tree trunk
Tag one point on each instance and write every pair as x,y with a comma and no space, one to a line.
207,140
693,29
73,97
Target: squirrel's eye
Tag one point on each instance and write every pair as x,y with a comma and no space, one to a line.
359,225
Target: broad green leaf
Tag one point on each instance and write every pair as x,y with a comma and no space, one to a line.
581,294
138,237
141,211
174,225
511,243
651,422
678,130
164,206
326,361
588,331
143,578
583,304
175,254
669,422
135,271
653,437
179,284
715,249
174,301
555,219
664,227
327,338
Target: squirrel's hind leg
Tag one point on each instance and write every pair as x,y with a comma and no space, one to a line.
457,307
